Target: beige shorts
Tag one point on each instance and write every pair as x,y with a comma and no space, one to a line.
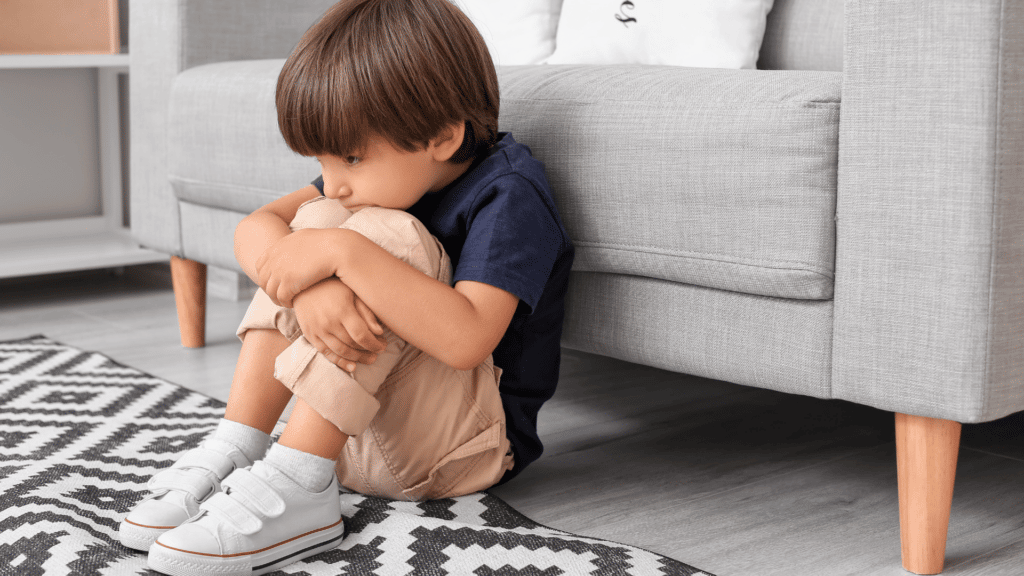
418,428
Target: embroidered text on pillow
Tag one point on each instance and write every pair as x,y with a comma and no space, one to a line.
621,16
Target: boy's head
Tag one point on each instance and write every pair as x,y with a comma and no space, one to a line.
403,70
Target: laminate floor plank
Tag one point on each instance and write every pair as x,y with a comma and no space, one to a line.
686,453
841,514
729,478
594,391
1006,561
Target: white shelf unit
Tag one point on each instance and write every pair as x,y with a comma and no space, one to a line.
67,244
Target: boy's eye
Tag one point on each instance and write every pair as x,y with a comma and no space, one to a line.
353,160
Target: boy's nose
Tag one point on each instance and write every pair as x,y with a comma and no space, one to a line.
342,192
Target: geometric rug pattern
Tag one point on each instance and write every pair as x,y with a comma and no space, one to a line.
80,435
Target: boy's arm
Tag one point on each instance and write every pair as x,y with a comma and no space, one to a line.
459,326
268,224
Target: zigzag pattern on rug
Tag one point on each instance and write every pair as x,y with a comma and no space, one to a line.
80,434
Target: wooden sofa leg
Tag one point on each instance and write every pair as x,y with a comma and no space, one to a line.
926,454
189,280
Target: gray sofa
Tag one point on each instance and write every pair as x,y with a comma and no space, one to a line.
846,222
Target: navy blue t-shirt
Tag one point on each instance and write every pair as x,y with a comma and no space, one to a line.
499,225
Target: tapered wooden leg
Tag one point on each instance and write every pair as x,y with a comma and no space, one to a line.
189,280
926,453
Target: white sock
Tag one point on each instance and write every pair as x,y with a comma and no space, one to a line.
250,441
310,471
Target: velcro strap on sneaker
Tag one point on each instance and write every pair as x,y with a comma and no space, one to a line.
233,512
256,492
192,482
206,459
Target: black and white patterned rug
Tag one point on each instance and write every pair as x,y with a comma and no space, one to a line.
81,434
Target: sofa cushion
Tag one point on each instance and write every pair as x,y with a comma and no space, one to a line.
224,147
716,178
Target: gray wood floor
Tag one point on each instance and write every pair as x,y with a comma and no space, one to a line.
734,480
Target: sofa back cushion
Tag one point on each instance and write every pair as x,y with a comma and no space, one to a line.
711,177
717,178
803,35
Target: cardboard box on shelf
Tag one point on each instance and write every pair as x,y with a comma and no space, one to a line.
59,27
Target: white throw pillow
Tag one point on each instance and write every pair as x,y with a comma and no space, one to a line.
516,31
699,33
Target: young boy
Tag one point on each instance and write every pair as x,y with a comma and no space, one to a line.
398,100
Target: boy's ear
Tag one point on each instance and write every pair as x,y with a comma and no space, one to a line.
448,142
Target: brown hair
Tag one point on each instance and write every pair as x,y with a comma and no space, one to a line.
400,69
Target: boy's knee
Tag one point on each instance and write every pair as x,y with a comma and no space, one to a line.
404,237
264,314
319,213
332,392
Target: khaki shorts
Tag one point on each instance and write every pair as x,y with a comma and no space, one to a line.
418,428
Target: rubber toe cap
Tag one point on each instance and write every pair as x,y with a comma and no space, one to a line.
158,514
192,538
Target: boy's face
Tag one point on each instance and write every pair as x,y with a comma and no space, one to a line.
385,176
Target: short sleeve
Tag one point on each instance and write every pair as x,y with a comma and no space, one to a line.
319,183
512,241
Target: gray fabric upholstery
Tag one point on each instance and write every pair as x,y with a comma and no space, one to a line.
167,37
772,343
226,150
930,261
803,35
737,165
208,234
753,223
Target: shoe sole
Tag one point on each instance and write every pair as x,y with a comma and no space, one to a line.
182,563
138,537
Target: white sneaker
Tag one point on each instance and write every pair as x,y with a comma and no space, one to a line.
261,522
178,491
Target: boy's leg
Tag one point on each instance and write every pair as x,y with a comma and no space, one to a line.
467,452
348,399
291,471
439,433
257,399
310,432
288,503
255,403
284,508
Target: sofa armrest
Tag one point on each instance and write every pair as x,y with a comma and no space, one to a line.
929,289
167,37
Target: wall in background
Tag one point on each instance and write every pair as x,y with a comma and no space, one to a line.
49,157
49,148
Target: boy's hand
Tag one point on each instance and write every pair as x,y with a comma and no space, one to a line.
337,323
295,263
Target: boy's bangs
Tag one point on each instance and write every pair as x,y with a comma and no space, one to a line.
317,116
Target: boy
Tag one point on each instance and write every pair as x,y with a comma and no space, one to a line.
398,101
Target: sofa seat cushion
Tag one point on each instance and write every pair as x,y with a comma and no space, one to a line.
717,178
225,150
